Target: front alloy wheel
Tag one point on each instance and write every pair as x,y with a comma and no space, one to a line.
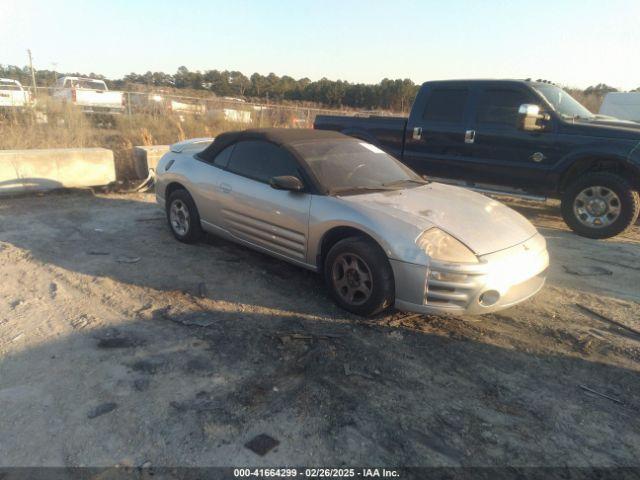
352,279
359,276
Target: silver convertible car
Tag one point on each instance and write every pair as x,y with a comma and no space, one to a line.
379,233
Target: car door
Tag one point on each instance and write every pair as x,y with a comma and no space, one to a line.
254,212
510,156
435,135
206,191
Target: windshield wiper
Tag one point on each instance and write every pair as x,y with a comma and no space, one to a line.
405,180
580,117
380,188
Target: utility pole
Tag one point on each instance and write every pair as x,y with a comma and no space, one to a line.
33,74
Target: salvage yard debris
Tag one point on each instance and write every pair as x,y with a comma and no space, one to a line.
287,337
586,270
125,259
102,409
590,390
607,319
262,444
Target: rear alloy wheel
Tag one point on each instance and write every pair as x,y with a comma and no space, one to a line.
179,217
183,217
600,205
359,276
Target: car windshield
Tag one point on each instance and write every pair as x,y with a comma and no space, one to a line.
563,103
351,166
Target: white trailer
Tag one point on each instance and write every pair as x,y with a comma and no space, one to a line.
622,105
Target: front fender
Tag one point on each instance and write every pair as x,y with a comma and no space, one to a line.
395,236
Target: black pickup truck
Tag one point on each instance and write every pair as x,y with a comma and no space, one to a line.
516,137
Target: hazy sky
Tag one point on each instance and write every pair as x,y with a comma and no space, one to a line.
573,42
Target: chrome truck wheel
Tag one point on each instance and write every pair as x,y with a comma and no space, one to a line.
600,205
597,206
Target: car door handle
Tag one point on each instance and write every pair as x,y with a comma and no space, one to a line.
469,136
417,133
225,188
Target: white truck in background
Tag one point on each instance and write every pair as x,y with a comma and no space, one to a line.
89,94
12,96
622,105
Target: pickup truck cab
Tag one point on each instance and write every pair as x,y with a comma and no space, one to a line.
516,137
12,96
89,94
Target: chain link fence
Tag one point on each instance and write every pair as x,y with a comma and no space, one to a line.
48,104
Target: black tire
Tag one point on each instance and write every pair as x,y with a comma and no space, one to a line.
629,205
193,232
369,255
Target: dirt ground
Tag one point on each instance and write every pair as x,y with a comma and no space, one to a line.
121,346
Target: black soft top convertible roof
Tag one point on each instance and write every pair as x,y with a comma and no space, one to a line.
279,136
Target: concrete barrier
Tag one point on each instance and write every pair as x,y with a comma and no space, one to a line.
147,157
33,170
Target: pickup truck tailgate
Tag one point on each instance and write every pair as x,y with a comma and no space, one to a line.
12,98
98,98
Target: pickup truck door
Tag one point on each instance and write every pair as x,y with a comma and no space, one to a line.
276,221
504,154
435,134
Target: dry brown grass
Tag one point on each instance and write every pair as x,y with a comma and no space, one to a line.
69,128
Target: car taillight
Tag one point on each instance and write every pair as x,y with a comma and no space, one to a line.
73,95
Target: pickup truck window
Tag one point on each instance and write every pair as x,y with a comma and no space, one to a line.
89,84
446,105
563,103
261,161
500,106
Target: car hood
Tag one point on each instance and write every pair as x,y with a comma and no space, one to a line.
483,224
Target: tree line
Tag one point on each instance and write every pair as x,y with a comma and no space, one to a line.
389,94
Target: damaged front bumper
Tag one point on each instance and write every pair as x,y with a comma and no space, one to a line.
500,280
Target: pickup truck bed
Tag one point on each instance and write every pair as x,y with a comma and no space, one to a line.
385,132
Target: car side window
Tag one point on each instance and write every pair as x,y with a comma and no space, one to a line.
261,161
222,159
446,105
499,106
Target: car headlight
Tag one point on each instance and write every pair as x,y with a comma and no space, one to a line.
440,245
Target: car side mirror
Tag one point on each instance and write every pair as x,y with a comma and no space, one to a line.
287,182
530,119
